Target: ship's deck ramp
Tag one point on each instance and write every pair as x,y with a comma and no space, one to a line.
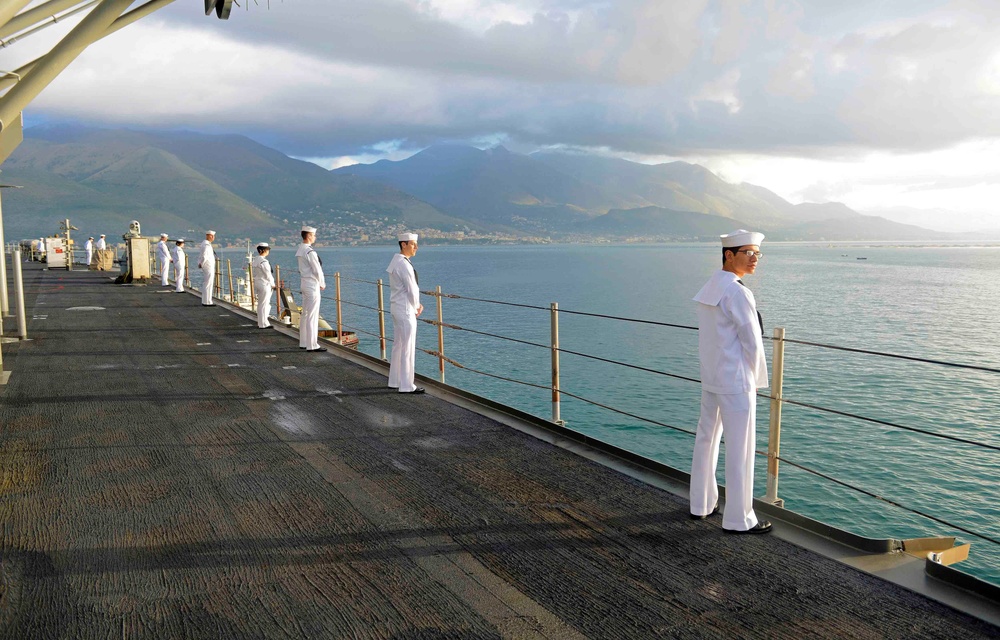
169,470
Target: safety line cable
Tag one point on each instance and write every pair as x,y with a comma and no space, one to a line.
560,350
886,500
896,356
459,365
696,380
625,413
688,327
562,392
353,304
343,277
368,333
886,423
455,296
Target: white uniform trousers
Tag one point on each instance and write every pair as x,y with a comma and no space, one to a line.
309,318
263,306
735,416
90,256
207,282
165,273
178,277
404,350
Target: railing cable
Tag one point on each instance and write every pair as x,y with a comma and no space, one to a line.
897,356
883,499
561,391
886,423
367,333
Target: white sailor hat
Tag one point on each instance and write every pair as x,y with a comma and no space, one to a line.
263,245
179,241
210,232
741,238
102,235
308,229
163,235
407,237
91,238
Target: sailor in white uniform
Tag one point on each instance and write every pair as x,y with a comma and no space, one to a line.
263,284
163,256
206,262
89,248
101,243
313,281
404,303
733,367
180,261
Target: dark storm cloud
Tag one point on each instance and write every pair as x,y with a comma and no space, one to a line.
678,77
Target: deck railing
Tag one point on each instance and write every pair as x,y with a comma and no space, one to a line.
775,396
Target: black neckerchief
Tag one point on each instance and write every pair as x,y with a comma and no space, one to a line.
415,276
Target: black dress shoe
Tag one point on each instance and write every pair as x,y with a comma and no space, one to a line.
415,391
715,511
315,350
207,305
761,527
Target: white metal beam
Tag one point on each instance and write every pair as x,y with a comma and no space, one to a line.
91,28
9,9
34,15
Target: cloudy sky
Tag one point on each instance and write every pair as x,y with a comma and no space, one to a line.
886,105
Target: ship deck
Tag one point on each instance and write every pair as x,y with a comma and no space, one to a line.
169,470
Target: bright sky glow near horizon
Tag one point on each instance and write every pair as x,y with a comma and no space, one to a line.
891,107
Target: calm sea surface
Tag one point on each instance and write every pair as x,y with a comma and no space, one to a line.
929,302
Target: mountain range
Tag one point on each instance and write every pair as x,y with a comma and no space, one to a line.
182,183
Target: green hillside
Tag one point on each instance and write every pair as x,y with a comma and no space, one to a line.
182,183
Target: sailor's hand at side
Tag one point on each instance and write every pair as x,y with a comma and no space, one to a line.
323,288
420,309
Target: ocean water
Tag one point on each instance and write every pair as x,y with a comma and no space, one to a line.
928,302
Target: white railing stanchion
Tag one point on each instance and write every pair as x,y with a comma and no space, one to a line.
4,295
774,434
340,316
381,321
253,291
22,323
554,314
440,324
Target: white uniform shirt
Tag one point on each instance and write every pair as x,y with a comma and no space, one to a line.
207,255
310,268
404,294
162,252
101,244
262,276
730,344
177,253
89,245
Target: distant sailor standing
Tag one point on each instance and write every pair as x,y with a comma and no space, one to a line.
89,247
206,262
101,243
731,349
180,261
163,255
404,303
263,284
313,281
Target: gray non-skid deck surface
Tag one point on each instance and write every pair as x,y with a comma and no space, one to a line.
169,471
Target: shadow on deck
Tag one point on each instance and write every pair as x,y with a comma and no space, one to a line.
169,470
